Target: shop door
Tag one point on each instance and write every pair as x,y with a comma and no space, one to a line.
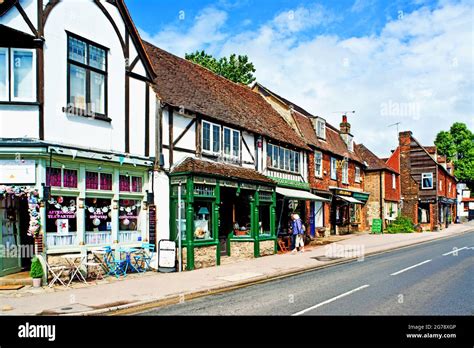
10,261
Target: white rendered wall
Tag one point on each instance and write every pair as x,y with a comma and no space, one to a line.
13,18
137,116
162,202
19,121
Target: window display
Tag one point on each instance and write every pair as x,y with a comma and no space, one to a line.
203,220
98,213
264,219
61,215
129,213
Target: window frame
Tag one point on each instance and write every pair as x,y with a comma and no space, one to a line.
6,97
10,76
283,160
425,175
321,129
333,168
88,69
357,174
345,172
211,138
231,138
394,181
320,174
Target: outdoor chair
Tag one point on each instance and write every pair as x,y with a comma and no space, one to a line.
116,267
56,272
143,258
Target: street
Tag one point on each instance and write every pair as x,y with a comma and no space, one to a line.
434,278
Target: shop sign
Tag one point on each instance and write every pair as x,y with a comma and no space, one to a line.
175,180
291,183
343,193
227,183
152,224
361,196
166,255
17,172
377,226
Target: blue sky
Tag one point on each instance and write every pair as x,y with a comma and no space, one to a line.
407,61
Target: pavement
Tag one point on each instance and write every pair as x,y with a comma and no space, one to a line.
140,292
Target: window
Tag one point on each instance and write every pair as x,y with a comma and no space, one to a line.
17,74
394,181
333,169
345,172
281,155
87,77
357,174
61,215
427,181
98,181
441,185
211,138
202,220
355,213
424,213
264,219
321,129
391,210
449,187
231,142
287,159
318,164
130,183
129,212
60,177
98,213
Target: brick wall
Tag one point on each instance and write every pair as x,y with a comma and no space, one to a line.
409,187
372,185
316,182
391,194
442,183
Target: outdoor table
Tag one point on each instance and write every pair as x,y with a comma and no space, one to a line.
128,258
75,266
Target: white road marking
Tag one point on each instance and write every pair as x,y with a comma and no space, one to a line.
406,269
331,300
455,250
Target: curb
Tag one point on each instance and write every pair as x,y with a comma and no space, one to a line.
140,306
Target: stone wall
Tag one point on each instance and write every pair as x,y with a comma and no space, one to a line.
267,247
205,256
372,185
241,250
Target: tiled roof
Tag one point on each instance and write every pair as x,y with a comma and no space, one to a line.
374,163
184,84
227,171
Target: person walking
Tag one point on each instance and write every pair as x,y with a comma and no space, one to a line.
298,233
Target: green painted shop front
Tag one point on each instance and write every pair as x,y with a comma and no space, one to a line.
222,220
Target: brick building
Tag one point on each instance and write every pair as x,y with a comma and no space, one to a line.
428,187
382,181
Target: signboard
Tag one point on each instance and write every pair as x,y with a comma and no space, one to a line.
364,197
166,256
152,224
377,226
17,172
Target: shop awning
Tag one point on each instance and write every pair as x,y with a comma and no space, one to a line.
299,194
350,199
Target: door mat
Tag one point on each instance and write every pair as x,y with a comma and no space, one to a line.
11,287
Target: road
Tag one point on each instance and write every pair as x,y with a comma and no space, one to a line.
425,279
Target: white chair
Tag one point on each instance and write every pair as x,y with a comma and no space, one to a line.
56,272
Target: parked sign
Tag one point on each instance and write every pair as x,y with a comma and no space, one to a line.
377,226
166,256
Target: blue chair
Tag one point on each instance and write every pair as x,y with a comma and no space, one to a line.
143,258
117,267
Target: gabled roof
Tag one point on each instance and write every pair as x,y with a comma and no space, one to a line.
333,142
374,163
20,38
228,171
183,84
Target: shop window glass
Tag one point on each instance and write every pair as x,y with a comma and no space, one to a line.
61,214
23,75
69,178
241,214
424,213
264,220
53,177
136,184
203,220
124,183
3,74
355,211
92,181
206,136
98,213
105,182
129,212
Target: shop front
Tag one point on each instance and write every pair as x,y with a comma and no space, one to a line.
347,214
446,211
222,218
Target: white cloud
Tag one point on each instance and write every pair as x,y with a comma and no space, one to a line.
418,70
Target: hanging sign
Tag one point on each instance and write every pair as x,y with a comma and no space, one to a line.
17,172
152,224
166,256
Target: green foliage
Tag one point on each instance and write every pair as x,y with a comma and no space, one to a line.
401,224
235,68
458,146
36,268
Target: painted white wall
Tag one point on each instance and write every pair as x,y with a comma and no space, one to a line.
137,116
152,125
162,202
246,155
188,141
14,19
19,121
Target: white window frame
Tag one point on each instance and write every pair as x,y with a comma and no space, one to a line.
316,173
427,175
321,129
211,138
12,75
7,75
394,181
441,185
333,168
345,172
231,152
238,143
357,174
449,187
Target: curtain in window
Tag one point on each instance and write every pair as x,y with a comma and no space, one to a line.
136,184
77,87
106,181
70,178
97,93
227,141
206,136
216,139
53,177
92,181
124,183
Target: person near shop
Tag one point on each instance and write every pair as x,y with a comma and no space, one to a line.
298,233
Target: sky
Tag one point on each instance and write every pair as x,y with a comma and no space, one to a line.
407,61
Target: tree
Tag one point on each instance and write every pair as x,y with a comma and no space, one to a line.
458,145
235,68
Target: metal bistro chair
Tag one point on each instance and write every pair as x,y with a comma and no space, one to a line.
116,266
56,272
143,258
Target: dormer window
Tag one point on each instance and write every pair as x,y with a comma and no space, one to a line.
17,75
321,128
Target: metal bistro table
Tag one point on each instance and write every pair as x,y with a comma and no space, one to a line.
75,262
128,259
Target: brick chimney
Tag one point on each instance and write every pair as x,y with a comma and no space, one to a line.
345,126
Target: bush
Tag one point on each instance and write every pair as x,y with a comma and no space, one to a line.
401,224
36,268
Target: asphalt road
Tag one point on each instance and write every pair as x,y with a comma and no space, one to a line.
418,280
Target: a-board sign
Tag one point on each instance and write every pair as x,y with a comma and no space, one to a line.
152,224
166,256
377,226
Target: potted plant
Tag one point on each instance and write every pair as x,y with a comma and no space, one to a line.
36,272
